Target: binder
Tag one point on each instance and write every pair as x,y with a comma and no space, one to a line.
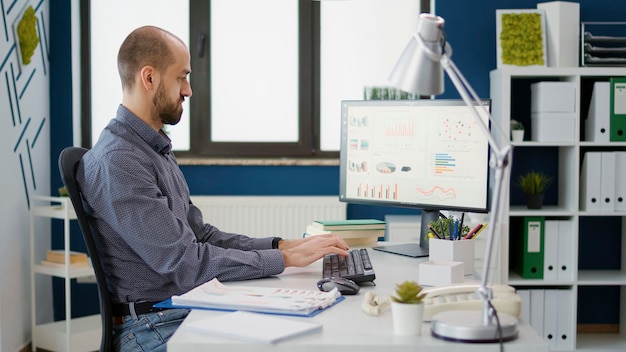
524,295
598,122
551,250
564,256
620,186
607,182
618,109
551,317
536,310
566,333
529,243
590,181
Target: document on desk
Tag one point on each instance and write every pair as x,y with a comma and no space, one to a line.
286,301
255,327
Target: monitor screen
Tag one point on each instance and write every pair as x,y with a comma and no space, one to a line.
429,154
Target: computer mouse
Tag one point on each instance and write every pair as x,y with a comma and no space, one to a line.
343,285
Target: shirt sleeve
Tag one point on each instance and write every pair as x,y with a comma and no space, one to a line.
206,232
151,225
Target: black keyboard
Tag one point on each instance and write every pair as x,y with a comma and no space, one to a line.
356,266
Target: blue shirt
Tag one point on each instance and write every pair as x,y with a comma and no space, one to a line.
152,240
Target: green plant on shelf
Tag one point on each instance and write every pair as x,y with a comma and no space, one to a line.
516,125
534,183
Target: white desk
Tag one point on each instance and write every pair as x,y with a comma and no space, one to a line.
346,326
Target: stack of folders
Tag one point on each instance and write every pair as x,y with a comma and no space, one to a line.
606,120
356,232
541,248
601,182
285,301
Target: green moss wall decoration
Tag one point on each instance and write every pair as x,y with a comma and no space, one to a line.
521,37
27,34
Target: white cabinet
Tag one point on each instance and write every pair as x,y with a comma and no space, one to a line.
78,334
510,93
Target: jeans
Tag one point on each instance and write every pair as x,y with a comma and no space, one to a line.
149,332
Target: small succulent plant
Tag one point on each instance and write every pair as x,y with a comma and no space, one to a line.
408,292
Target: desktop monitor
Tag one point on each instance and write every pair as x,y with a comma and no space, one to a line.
428,154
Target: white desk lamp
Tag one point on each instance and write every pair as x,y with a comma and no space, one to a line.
420,70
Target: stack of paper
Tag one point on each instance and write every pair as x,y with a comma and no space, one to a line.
356,232
254,327
287,301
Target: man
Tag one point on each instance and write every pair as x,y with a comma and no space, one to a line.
152,239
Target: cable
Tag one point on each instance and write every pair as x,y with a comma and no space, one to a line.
495,314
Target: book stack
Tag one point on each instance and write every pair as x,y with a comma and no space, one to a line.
57,258
356,232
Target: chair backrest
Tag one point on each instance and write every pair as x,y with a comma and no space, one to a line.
68,164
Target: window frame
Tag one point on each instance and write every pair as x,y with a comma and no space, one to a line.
308,126
200,145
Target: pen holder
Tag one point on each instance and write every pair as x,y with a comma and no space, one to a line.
453,251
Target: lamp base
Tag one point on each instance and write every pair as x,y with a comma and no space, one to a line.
468,326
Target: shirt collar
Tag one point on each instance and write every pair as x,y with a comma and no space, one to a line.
160,142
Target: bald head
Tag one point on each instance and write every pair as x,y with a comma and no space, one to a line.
146,45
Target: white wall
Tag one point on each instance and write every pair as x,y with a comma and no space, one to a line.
25,155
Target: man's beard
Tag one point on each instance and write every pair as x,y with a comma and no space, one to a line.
169,112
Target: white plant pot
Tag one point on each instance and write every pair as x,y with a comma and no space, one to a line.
407,318
517,135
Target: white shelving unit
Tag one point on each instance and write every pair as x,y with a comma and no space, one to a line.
78,334
506,84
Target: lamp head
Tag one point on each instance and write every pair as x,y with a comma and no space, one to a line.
418,70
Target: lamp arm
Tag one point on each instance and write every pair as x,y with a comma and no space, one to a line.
499,161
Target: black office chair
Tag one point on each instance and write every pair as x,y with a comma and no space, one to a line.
68,163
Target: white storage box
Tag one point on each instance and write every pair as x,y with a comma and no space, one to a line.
440,273
553,97
453,251
563,29
553,127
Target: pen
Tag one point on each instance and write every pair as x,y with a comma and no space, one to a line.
443,233
456,229
479,231
472,231
433,231
461,225
450,233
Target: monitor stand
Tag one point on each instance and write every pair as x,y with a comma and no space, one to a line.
414,250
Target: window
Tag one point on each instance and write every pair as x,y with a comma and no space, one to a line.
252,64
268,76
108,26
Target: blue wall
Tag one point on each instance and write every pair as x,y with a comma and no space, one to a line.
470,28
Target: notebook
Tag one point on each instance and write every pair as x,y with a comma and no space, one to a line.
255,327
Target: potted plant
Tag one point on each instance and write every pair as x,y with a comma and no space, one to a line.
534,185
517,131
407,308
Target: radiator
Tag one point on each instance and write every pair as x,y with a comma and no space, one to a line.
261,216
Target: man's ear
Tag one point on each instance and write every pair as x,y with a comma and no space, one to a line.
148,77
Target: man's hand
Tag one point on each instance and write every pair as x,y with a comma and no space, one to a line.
304,251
